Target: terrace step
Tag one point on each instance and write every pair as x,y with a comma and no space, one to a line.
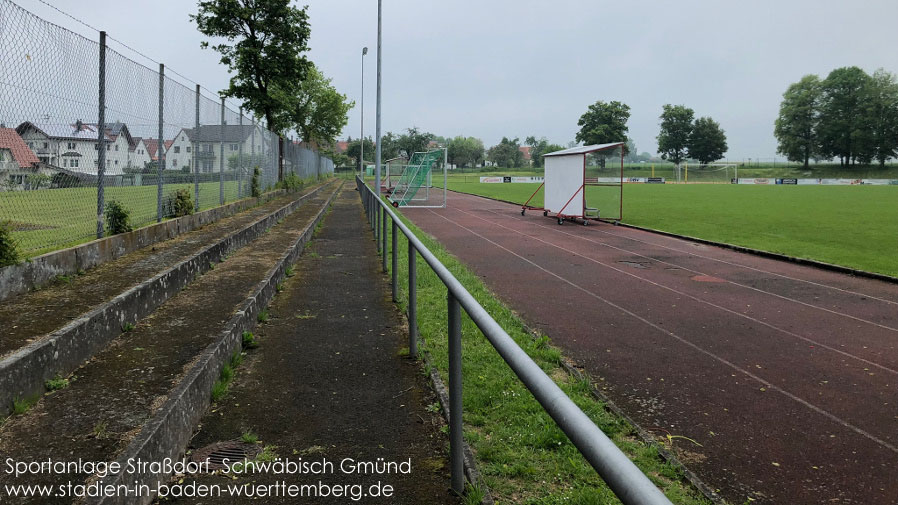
51,331
142,395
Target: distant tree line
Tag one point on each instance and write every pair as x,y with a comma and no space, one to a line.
850,115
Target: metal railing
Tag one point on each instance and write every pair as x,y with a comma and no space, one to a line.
623,477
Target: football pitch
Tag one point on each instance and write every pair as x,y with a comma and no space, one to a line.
852,226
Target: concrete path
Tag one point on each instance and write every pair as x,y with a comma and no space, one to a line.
328,386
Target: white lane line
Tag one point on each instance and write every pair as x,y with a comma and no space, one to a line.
740,265
766,384
783,297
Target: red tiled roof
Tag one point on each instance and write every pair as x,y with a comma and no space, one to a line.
526,151
342,146
153,145
11,140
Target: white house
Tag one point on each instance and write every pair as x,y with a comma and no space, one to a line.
207,141
139,155
75,147
18,164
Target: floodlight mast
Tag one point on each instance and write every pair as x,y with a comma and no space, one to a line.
377,133
362,139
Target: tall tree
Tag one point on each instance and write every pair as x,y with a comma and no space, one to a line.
316,109
603,123
464,151
413,141
881,111
265,42
507,153
354,148
796,127
842,130
676,128
708,141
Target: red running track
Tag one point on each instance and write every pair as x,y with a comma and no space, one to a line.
786,375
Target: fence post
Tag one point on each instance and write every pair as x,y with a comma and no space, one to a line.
239,170
221,143
159,167
196,154
412,301
395,261
101,137
456,456
377,212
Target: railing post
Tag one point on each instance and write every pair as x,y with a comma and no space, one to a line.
383,236
377,230
412,301
221,151
456,456
395,261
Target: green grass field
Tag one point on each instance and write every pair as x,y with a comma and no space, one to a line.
853,226
49,219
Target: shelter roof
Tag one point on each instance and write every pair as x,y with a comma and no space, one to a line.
585,149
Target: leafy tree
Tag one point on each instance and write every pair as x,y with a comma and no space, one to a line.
507,153
265,40
632,154
389,147
708,141
842,130
354,148
464,151
316,109
540,147
413,141
881,113
796,127
604,123
676,128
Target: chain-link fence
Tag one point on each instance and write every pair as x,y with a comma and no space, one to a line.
82,126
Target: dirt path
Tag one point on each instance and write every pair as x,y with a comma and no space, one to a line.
328,381
777,381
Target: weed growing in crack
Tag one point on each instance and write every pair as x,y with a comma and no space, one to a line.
126,327
56,383
248,437
249,341
263,316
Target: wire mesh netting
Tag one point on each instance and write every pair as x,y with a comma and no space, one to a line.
157,148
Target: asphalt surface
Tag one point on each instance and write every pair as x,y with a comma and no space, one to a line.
329,382
776,381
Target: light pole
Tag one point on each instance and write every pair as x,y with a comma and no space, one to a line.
362,139
379,148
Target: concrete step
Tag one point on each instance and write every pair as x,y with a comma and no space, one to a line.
142,395
51,331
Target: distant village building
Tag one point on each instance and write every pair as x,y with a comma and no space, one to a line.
18,163
75,146
208,140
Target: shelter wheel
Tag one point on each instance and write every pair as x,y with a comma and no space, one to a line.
560,220
585,222
545,213
522,212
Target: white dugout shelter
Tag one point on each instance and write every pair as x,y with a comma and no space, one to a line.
565,184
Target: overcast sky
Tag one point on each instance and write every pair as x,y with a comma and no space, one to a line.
494,68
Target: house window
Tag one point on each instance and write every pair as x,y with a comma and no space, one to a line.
46,145
108,147
177,149
71,145
116,162
116,147
188,149
65,163
234,147
74,164
207,166
97,146
174,163
31,145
